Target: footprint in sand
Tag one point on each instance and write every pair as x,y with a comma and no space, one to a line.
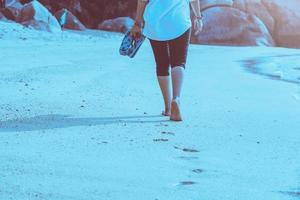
198,171
187,149
184,183
160,140
167,133
188,157
161,124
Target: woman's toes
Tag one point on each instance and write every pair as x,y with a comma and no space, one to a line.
166,113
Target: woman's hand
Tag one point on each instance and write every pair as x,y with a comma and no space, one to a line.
197,26
136,31
197,22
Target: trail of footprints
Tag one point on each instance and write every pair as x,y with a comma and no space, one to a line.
196,171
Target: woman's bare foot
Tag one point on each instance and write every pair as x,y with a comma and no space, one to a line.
166,112
175,111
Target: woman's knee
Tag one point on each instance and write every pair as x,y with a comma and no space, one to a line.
179,50
179,65
162,71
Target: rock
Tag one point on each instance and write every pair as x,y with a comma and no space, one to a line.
35,15
257,8
287,20
205,4
240,4
282,18
230,26
12,9
68,20
92,13
2,16
2,4
120,24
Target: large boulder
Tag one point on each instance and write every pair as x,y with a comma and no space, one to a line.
257,8
2,4
287,17
2,16
92,12
230,26
12,9
120,24
35,15
281,17
68,21
205,4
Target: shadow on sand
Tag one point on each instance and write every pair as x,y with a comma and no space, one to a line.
44,122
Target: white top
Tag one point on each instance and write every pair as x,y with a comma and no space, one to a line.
166,19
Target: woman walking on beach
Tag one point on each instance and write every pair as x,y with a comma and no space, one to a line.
167,24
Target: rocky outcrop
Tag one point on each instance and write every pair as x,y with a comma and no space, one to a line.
230,26
282,18
2,4
287,21
120,24
91,13
205,4
12,9
257,8
35,15
244,25
2,16
68,21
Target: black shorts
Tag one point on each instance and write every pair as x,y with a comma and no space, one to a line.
170,53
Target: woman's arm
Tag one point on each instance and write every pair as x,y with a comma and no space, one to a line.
139,19
197,21
195,4
140,12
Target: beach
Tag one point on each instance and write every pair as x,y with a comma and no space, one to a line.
78,121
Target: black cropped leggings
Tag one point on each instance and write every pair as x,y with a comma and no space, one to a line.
170,53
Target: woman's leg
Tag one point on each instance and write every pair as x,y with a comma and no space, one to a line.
178,54
161,54
165,86
177,80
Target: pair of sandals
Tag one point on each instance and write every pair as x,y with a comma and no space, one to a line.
130,45
175,114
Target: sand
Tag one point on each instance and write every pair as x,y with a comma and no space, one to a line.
78,122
